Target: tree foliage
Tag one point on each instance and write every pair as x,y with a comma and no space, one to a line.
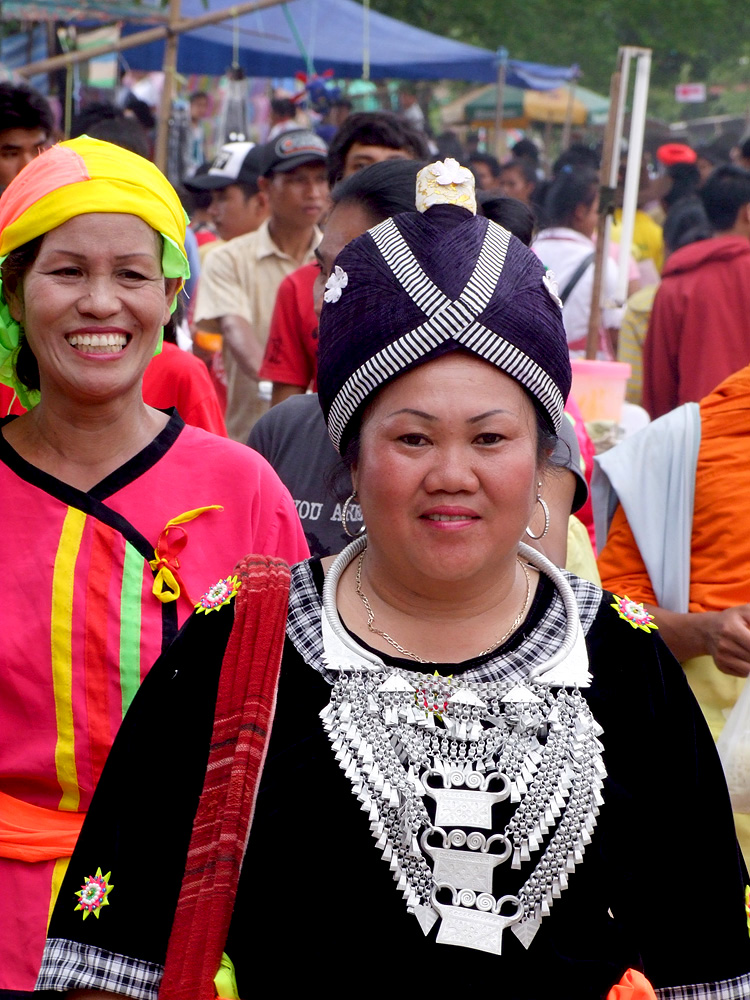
692,35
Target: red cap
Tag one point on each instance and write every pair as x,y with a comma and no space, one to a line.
675,152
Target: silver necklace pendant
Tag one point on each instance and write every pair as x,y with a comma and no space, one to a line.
476,922
404,738
472,869
471,806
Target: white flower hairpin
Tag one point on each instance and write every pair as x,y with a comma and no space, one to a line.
449,171
338,280
550,283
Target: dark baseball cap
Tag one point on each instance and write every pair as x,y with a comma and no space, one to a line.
235,163
292,149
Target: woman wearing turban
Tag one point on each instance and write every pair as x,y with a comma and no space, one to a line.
117,517
477,763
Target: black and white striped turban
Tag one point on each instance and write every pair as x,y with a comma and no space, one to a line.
421,284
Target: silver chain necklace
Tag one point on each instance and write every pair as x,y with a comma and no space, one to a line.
407,652
404,737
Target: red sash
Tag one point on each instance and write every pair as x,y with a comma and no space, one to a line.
242,726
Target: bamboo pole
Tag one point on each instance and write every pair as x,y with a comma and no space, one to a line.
611,138
168,89
568,124
180,27
502,67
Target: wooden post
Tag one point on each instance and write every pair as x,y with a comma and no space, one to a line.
502,66
168,90
146,36
611,136
567,125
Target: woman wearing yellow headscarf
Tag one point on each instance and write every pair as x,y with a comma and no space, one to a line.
117,517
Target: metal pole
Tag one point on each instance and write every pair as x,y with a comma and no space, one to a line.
366,40
167,92
565,141
633,171
146,36
502,66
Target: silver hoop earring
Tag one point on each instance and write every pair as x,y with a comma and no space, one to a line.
545,508
345,514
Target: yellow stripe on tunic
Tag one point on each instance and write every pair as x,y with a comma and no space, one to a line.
58,874
63,583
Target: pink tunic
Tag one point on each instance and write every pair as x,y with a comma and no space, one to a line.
80,626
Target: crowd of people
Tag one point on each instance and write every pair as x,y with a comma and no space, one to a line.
307,540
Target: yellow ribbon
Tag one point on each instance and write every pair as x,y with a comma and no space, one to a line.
167,585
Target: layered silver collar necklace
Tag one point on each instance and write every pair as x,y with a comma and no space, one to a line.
462,776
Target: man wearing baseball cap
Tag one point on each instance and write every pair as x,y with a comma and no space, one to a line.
239,281
237,206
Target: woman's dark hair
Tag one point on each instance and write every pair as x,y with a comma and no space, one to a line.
13,270
578,157
383,189
725,192
686,180
510,213
686,222
571,188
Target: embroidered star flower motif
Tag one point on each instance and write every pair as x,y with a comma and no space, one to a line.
217,596
550,283
335,284
634,613
449,171
92,895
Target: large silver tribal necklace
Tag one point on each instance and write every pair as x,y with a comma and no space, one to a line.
406,738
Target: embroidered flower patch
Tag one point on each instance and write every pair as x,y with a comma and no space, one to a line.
633,613
92,895
335,284
217,596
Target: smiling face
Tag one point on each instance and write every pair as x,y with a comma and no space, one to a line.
447,472
92,305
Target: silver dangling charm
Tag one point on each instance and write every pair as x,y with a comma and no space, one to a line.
345,514
545,508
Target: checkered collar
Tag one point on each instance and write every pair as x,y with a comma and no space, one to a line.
509,662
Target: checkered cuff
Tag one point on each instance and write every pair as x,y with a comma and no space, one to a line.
69,965
728,989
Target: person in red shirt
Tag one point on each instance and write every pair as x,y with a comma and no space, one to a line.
291,357
698,333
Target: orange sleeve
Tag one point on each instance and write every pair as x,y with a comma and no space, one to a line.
720,547
620,564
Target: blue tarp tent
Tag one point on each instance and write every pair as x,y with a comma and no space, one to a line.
335,34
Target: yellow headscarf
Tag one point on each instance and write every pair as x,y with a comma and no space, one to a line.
76,178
